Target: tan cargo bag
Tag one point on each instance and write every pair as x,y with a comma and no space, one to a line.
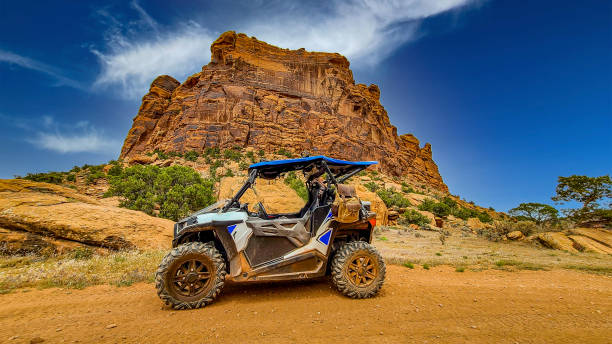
347,205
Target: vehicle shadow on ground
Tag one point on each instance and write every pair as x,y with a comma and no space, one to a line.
256,292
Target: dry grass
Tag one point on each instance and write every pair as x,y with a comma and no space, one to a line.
469,251
78,270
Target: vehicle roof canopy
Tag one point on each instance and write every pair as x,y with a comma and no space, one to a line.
272,169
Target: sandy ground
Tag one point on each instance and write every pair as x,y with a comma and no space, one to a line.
415,306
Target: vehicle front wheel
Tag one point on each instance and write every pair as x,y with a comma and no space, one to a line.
191,275
358,270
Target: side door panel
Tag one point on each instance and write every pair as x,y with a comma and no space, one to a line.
272,239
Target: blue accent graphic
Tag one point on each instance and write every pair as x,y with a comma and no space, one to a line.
324,239
331,161
329,215
231,228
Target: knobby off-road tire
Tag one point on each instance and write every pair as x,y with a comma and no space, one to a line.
358,270
191,275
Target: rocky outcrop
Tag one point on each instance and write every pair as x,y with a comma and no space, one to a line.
253,94
40,216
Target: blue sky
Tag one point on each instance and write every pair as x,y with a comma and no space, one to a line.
511,94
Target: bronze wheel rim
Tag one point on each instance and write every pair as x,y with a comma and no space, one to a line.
362,270
191,277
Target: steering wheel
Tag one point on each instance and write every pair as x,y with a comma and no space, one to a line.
261,212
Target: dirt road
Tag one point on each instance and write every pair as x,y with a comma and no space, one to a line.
415,306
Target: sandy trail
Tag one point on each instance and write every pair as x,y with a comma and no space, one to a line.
415,306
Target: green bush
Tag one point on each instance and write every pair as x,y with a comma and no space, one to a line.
427,205
284,152
71,177
160,154
449,202
373,187
94,173
232,154
464,213
392,198
243,165
414,217
251,156
441,209
191,155
484,217
75,169
115,170
50,177
177,190
294,182
407,189
212,152
261,153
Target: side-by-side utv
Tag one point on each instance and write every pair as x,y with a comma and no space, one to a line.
330,235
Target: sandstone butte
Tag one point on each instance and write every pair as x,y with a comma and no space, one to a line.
253,94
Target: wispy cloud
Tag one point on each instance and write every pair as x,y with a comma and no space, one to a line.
366,31
48,134
89,140
133,62
28,63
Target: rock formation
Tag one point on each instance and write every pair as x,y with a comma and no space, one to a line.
45,217
253,94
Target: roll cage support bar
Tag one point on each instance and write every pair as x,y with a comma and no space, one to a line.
253,175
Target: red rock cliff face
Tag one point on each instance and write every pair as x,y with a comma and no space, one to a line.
256,94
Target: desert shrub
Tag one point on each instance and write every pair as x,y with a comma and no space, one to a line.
251,156
71,177
501,228
212,152
441,209
484,217
94,173
392,198
449,202
412,216
243,165
75,169
191,155
373,187
49,177
232,154
161,154
261,153
229,173
427,205
83,253
407,188
294,182
115,170
284,152
177,190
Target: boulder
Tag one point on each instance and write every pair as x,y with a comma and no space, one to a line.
393,215
556,240
589,245
515,235
475,223
59,213
603,236
430,216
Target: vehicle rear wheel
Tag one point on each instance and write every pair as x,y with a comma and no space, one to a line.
358,270
191,275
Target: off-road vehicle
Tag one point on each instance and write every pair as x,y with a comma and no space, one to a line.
330,235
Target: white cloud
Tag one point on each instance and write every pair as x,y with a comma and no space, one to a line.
78,138
28,63
131,62
365,31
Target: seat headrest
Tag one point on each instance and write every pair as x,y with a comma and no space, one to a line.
346,190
